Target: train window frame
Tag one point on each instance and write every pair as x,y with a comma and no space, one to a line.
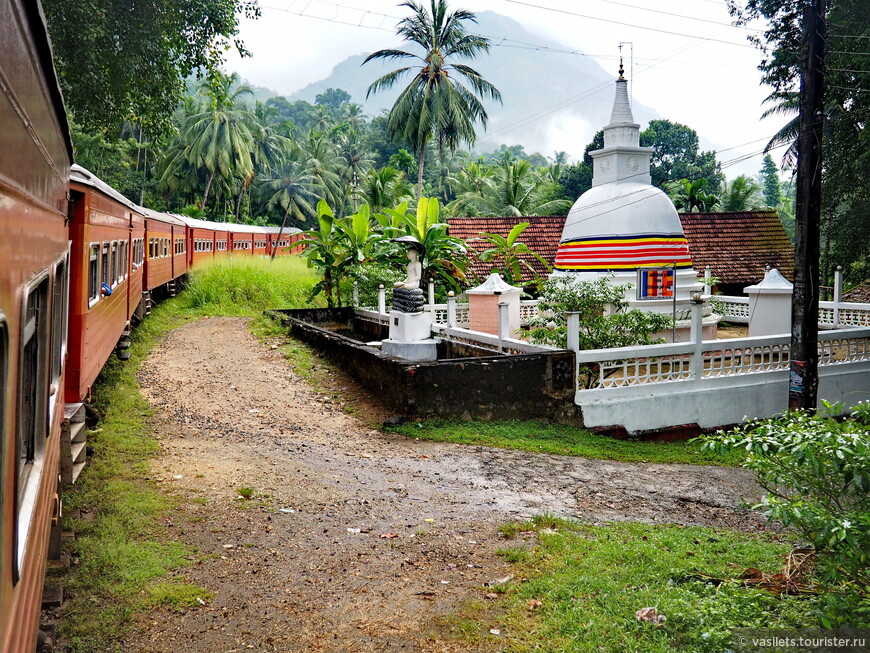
113,262
93,274
4,384
29,472
104,263
59,319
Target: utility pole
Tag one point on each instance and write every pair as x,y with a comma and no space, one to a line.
804,373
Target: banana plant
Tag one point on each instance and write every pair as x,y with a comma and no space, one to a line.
324,251
512,257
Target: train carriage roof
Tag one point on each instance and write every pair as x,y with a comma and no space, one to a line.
195,223
84,176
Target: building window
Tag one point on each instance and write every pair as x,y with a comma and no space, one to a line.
94,273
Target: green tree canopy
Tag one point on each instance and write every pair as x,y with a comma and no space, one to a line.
120,61
436,104
676,155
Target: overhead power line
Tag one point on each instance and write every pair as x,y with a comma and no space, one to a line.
618,22
670,13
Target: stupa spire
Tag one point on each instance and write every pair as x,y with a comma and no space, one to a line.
621,106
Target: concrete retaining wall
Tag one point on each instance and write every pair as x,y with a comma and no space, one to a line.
527,386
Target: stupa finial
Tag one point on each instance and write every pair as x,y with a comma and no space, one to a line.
621,70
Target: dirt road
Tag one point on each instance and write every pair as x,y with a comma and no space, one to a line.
354,540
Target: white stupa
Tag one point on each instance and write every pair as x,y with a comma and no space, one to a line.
624,224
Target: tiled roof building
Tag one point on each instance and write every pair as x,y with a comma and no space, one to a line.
541,236
737,246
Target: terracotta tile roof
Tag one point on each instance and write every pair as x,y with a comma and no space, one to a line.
737,246
858,294
542,236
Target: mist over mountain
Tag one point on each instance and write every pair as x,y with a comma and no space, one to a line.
551,101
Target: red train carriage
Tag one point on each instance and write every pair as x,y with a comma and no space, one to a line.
166,251
200,240
35,155
107,232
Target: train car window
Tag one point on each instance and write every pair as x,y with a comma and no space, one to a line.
114,264
59,308
32,409
94,274
104,264
4,366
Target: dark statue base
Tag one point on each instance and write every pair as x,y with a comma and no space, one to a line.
408,301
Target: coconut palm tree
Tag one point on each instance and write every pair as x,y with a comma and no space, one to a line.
436,104
222,137
386,188
291,189
741,194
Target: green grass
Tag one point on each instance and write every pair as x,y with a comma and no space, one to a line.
560,439
590,580
247,287
127,565
124,557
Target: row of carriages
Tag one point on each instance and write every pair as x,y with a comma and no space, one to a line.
79,263
125,256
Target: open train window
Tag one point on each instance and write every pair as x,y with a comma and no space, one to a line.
104,264
94,274
32,410
114,265
59,308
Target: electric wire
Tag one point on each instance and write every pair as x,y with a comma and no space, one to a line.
617,22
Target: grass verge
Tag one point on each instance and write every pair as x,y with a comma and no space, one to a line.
579,586
247,287
124,558
563,440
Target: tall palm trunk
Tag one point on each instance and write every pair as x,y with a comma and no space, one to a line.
280,231
207,189
420,163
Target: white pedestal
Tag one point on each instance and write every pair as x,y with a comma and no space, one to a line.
410,327
418,351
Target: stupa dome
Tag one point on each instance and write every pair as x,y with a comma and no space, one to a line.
623,223
622,226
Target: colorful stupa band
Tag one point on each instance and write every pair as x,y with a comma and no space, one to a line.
624,253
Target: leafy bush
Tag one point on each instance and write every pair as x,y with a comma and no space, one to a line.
815,471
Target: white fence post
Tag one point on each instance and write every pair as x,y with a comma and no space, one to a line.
708,275
382,300
431,292
696,335
574,344
451,311
838,294
574,332
504,324
355,294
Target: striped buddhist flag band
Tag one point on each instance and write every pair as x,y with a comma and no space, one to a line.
624,253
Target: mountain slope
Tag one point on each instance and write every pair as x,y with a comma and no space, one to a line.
552,101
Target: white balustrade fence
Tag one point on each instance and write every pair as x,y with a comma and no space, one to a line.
712,383
832,315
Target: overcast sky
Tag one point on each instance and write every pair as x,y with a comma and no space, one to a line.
683,57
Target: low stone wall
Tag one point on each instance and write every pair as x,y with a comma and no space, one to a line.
527,386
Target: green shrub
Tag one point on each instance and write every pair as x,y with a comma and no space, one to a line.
815,471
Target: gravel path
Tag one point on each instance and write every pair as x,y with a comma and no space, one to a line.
355,540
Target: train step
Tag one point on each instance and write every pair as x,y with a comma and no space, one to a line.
73,442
